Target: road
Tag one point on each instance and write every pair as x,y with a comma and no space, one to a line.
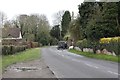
69,65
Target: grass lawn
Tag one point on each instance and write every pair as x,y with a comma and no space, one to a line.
29,54
97,56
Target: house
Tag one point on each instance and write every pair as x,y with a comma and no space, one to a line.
11,35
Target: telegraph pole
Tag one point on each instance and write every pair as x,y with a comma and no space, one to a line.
60,31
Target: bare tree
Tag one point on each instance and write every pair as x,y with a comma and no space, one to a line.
8,24
3,18
58,17
22,23
32,26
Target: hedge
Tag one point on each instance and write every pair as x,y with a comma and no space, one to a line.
34,44
30,44
88,44
112,45
108,40
11,49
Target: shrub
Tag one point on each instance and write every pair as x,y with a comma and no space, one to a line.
30,44
34,44
108,40
84,44
113,45
7,49
88,44
4,50
105,40
11,49
53,41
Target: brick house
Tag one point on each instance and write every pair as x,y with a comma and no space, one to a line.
11,36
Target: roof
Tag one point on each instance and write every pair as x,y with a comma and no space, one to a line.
10,32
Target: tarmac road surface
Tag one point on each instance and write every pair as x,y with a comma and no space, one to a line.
69,65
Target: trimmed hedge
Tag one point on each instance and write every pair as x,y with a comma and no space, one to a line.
11,49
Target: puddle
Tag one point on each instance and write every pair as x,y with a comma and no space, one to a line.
19,69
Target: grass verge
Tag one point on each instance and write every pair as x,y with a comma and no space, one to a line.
96,56
27,55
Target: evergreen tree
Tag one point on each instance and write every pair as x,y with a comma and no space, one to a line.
55,32
110,19
99,19
86,11
66,19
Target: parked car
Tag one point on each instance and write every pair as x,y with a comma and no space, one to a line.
62,45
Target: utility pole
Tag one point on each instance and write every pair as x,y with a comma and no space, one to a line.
60,31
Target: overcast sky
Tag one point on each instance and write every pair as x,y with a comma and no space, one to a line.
48,7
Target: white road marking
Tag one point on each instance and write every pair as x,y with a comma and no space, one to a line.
59,52
65,55
113,73
91,65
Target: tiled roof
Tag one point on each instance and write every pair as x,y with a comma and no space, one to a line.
10,32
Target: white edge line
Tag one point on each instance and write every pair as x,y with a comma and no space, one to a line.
91,65
113,73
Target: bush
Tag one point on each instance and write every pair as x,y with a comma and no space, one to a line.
82,43
34,44
111,46
5,50
53,41
30,44
88,44
11,49
44,40
108,40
